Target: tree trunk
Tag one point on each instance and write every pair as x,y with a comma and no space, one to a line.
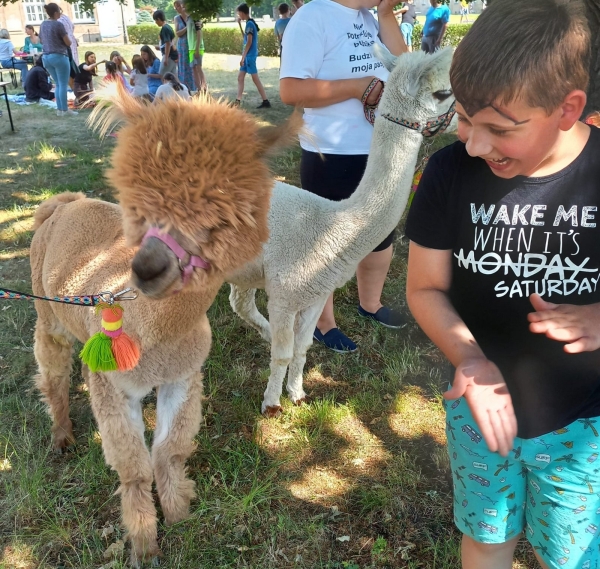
593,10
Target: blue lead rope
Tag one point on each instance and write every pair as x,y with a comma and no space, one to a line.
85,300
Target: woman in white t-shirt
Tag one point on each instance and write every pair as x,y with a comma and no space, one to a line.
170,88
327,67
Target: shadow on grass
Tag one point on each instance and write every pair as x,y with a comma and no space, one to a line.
358,478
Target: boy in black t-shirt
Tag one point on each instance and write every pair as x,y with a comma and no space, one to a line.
503,221
170,56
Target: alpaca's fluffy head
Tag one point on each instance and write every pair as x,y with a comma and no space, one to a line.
194,169
418,87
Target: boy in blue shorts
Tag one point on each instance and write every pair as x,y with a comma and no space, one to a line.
503,275
249,55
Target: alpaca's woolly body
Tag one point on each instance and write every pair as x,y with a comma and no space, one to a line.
316,244
177,166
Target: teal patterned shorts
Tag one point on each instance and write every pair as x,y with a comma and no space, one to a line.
548,487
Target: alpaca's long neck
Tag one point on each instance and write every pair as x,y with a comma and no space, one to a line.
377,205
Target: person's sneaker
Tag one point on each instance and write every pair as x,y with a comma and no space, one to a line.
264,105
336,341
385,316
71,112
60,113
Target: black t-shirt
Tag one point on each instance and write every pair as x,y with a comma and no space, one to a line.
167,34
410,15
83,77
509,239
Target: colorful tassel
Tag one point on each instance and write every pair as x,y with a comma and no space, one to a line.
111,349
415,185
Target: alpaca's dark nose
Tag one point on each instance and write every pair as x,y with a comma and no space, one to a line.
151,261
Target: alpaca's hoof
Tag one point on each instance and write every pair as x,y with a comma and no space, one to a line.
62,439
302,400
272,411
150,558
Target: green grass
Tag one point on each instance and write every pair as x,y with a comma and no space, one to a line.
364,459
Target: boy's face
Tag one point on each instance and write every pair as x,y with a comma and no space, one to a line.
514,139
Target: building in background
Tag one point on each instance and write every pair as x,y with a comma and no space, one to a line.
105,22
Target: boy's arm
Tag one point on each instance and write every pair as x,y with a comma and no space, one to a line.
247,47
476,378
578,326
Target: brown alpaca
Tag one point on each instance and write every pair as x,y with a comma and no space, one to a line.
205,183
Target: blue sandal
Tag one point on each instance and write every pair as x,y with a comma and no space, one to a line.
385,316
336,341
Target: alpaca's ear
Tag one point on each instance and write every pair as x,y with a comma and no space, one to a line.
271,139
114,105
384,55
428,67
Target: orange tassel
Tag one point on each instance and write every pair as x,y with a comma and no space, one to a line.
126,352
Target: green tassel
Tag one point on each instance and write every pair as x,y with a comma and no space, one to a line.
97,353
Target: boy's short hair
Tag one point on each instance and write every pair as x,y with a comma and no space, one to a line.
535,49
283,9
159,15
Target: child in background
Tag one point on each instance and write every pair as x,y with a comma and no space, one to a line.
249,55
167,36
113,75
83,84
38,84
196,51
503,269
152,64
170,88
139,78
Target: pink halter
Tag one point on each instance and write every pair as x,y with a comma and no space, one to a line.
192,260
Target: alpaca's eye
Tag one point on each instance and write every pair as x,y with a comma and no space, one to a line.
443,94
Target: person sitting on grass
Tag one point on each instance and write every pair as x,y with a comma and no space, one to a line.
249,55
152,64
139,78
170,88
83,85
504,262
38,84
113,75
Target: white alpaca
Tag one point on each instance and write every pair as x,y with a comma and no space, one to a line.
316,244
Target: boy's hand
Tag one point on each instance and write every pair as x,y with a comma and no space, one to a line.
484,388
578,326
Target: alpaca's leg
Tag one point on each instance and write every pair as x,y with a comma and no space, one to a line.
282,350
121,425
178,414
53,349
306,321
243,303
